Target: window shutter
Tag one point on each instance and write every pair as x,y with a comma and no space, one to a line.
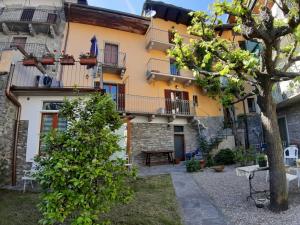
185,95
121,97
168,101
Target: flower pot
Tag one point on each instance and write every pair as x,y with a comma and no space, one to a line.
48,61
67,61
88,61
202,164
219,168
262,163
29,62
177,161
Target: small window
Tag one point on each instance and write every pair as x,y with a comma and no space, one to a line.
19,42
251,105
171,35
27,15
195,100
52,105
51,18
178,129
97,84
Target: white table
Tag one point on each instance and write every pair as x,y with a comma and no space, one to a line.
249,172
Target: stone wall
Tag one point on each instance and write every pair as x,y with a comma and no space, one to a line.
150,136
7,128
21,150
292,115
211,125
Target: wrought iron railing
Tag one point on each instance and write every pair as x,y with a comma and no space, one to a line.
34,15
166,67
111,58
163,36
36,49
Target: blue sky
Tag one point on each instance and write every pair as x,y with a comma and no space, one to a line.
135,6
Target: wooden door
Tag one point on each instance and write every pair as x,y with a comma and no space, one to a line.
179,147
111,54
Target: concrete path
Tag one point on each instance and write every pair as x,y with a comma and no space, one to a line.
196,207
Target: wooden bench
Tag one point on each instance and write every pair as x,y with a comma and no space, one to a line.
168,153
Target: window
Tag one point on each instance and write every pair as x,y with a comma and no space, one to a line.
51,18
171,36
111,54
97,84
195,100
27,15
52,105
173,68
251,105
19,41
178,129
111,89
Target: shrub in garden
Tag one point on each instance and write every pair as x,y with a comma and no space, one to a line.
79,178
224,157
192,165
244,156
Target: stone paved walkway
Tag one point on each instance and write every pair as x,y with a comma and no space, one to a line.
195,205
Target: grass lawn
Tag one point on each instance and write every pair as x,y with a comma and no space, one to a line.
154,203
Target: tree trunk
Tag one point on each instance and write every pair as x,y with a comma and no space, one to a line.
278,187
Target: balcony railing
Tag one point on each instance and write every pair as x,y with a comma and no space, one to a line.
158,69
162,40
154,105
36,49
31,15
113,62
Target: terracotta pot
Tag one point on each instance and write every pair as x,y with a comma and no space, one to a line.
202,163
67,61
29,62
88,61
177,161
48,61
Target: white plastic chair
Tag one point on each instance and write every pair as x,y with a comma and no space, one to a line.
28,176
290,152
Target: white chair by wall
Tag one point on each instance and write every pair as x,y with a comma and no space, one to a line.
290,152
28,176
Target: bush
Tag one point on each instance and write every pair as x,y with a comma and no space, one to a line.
192,165
79,177
244,156
224,157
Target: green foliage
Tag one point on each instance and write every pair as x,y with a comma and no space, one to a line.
262,160
79,177
192,165
224,157
244,156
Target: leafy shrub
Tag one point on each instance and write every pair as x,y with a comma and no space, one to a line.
79,177
224,157
192,165
244,156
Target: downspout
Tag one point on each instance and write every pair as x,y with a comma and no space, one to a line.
15,101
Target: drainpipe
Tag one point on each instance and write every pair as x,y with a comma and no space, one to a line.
15,101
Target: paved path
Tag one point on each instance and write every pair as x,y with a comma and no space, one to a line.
196,207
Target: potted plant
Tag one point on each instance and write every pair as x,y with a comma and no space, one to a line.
87,59
66,59
202,163
48,59
29,60
262,160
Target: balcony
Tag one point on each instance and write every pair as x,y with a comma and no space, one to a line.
113,62
161,39
32,20
164,70
36,49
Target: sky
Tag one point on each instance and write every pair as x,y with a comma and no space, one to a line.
135,6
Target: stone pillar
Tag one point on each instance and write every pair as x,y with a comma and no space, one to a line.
7,128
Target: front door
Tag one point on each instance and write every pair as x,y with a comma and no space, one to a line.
179,147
